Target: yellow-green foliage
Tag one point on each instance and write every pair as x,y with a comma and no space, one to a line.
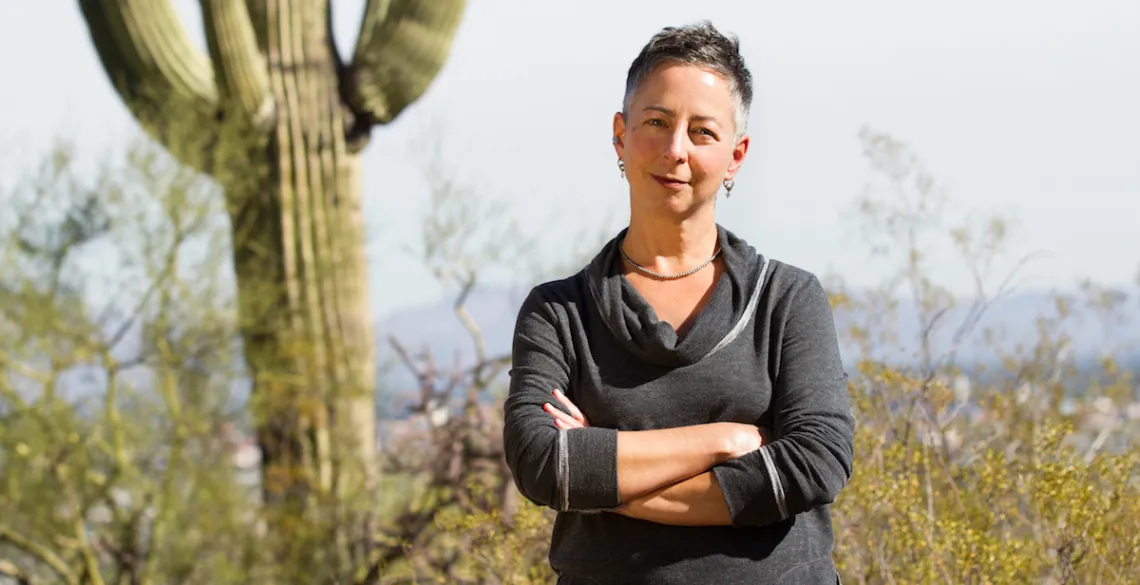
967,472
1001,507
498,549
113,461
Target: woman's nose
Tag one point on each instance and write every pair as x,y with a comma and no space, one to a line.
678,148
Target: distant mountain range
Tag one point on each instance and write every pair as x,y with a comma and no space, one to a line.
1015,321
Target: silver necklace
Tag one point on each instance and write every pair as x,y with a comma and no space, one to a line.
688,272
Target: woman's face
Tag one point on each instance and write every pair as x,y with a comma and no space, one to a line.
678,143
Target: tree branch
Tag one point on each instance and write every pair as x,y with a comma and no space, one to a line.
241,70
13,572
38,551
156,69
402,47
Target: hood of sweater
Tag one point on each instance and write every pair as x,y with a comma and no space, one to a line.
635,324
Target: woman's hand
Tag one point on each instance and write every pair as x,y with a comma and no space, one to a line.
742,439
574,420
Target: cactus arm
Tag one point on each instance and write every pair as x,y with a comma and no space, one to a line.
150,59
401,48
242,75
375,12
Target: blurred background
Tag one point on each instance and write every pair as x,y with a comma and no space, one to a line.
187,399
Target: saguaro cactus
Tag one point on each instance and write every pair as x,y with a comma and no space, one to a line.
276,117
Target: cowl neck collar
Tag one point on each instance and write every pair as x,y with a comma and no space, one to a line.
635,324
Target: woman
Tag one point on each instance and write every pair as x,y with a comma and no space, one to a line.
640,386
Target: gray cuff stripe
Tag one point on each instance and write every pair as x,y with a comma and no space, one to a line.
777,487
564,469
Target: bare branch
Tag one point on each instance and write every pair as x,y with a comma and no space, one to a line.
13,572
39,552
468,321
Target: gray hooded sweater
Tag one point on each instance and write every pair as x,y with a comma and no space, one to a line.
764,351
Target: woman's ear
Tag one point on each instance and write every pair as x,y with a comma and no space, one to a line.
619,133
738,153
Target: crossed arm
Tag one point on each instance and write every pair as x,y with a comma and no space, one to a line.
663,476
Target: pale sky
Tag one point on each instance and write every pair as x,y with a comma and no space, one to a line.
1028,107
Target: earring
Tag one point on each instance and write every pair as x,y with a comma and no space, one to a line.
728,185
621,165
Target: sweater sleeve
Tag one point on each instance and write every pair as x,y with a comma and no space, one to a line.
811,459
567,470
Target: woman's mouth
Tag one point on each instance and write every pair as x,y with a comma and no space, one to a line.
670,182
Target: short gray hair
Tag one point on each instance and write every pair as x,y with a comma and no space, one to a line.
702,45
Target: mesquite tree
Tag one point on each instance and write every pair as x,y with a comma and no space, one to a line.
273,114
